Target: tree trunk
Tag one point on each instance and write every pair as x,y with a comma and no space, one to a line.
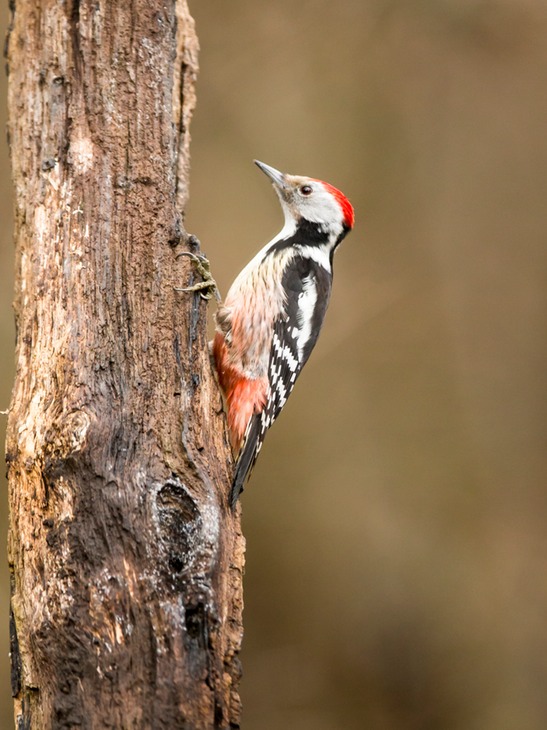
126,560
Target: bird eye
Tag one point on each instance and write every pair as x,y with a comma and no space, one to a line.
306,190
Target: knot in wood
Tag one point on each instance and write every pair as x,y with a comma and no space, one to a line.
66,437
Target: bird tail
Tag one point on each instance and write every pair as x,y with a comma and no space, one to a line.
246,459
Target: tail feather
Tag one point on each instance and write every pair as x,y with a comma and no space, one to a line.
246,459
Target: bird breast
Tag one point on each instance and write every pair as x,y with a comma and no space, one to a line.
254,302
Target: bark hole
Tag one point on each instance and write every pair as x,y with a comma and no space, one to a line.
180,526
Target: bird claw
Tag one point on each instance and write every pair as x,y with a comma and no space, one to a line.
208,287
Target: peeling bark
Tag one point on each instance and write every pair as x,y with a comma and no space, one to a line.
126,560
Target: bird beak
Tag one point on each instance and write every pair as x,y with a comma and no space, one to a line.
278,178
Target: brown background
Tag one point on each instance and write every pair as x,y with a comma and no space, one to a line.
396,564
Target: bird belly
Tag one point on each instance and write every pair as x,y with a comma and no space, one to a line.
244,395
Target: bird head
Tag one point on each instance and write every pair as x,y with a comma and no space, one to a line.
312,200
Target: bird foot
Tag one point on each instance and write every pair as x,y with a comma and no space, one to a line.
208,287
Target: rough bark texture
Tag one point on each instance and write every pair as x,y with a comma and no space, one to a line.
126,561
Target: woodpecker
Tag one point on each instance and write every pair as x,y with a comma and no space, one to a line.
273,312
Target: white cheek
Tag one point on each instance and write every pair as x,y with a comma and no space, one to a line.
322,210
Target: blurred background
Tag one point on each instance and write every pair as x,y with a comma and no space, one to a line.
396,521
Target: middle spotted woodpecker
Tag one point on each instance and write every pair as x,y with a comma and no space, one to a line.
271,318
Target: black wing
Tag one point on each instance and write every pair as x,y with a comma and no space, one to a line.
294,335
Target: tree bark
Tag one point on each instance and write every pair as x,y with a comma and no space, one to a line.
126,560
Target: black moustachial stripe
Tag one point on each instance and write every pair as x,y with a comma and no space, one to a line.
306,234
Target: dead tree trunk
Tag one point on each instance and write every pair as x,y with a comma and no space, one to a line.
126,561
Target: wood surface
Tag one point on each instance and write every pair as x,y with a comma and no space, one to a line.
126,560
